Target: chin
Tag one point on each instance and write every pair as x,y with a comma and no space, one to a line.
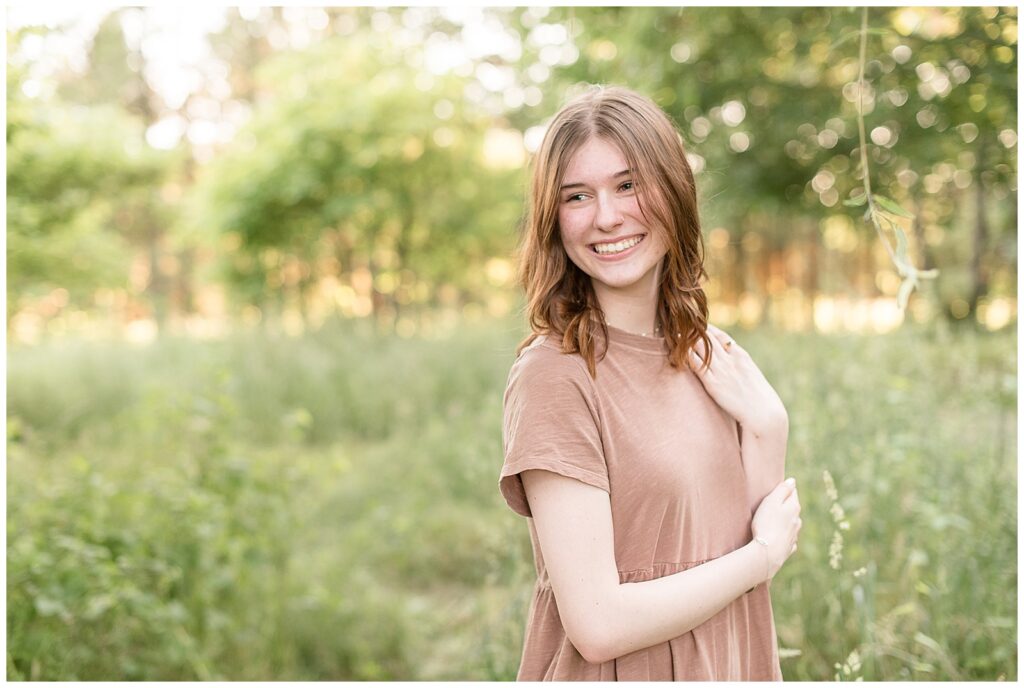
620,281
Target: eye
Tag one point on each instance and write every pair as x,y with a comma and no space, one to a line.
574,197
627,186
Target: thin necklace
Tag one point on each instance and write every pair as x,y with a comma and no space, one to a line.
657,330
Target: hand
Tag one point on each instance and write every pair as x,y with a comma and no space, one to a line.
736,383
777,521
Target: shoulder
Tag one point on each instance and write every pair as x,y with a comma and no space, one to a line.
543,364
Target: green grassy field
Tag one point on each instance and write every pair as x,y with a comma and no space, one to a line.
269,508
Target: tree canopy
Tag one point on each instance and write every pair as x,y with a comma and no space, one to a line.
366,161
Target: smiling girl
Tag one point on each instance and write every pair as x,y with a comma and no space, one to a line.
643,444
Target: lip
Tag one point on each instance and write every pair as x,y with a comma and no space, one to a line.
617,256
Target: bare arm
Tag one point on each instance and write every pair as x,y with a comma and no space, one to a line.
763,452
735,382
605,619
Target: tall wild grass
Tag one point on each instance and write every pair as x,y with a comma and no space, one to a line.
326,507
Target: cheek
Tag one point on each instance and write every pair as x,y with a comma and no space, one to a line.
659,245
658,235
572,241
569,226
639,205
633,207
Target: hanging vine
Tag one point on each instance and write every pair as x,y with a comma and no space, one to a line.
882,210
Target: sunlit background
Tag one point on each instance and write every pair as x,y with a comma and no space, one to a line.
261,310
186,169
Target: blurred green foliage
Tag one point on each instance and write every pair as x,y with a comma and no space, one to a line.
374,163
74,179
346,170
269,508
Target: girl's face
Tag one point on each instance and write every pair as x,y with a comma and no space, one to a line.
603,231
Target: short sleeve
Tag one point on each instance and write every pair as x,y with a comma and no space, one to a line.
551,422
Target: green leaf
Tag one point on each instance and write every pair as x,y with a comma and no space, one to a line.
901,244
999,622
905,608
97,606
856,201
930,643
903,296
892,206
46,606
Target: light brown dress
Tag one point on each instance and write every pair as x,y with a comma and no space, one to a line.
669,458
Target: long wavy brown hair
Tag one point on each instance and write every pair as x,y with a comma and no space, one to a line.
560,298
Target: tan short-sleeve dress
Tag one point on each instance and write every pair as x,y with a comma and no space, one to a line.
669,458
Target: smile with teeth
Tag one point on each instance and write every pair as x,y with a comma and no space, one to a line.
617,247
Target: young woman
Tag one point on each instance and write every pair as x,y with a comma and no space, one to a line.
643,444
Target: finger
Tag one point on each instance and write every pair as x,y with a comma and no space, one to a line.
718,333
726,340
704,374
696,359
702,348
718,346
785,489
720,341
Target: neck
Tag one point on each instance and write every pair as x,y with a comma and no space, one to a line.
635,311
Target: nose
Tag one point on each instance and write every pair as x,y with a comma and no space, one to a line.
608,217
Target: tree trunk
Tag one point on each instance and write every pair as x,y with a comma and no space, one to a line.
811,271
979,274
866,274
185,297
925,259
158,282
737,279
403,249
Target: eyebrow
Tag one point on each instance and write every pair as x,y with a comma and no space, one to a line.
614,176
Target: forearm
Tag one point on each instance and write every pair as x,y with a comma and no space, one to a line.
763,452
643,614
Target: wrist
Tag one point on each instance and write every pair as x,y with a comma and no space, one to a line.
763,546
761,567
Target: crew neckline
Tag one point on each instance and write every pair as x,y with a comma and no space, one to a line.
638,342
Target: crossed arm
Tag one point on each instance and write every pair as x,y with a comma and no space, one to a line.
603,618
763,452
736,383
